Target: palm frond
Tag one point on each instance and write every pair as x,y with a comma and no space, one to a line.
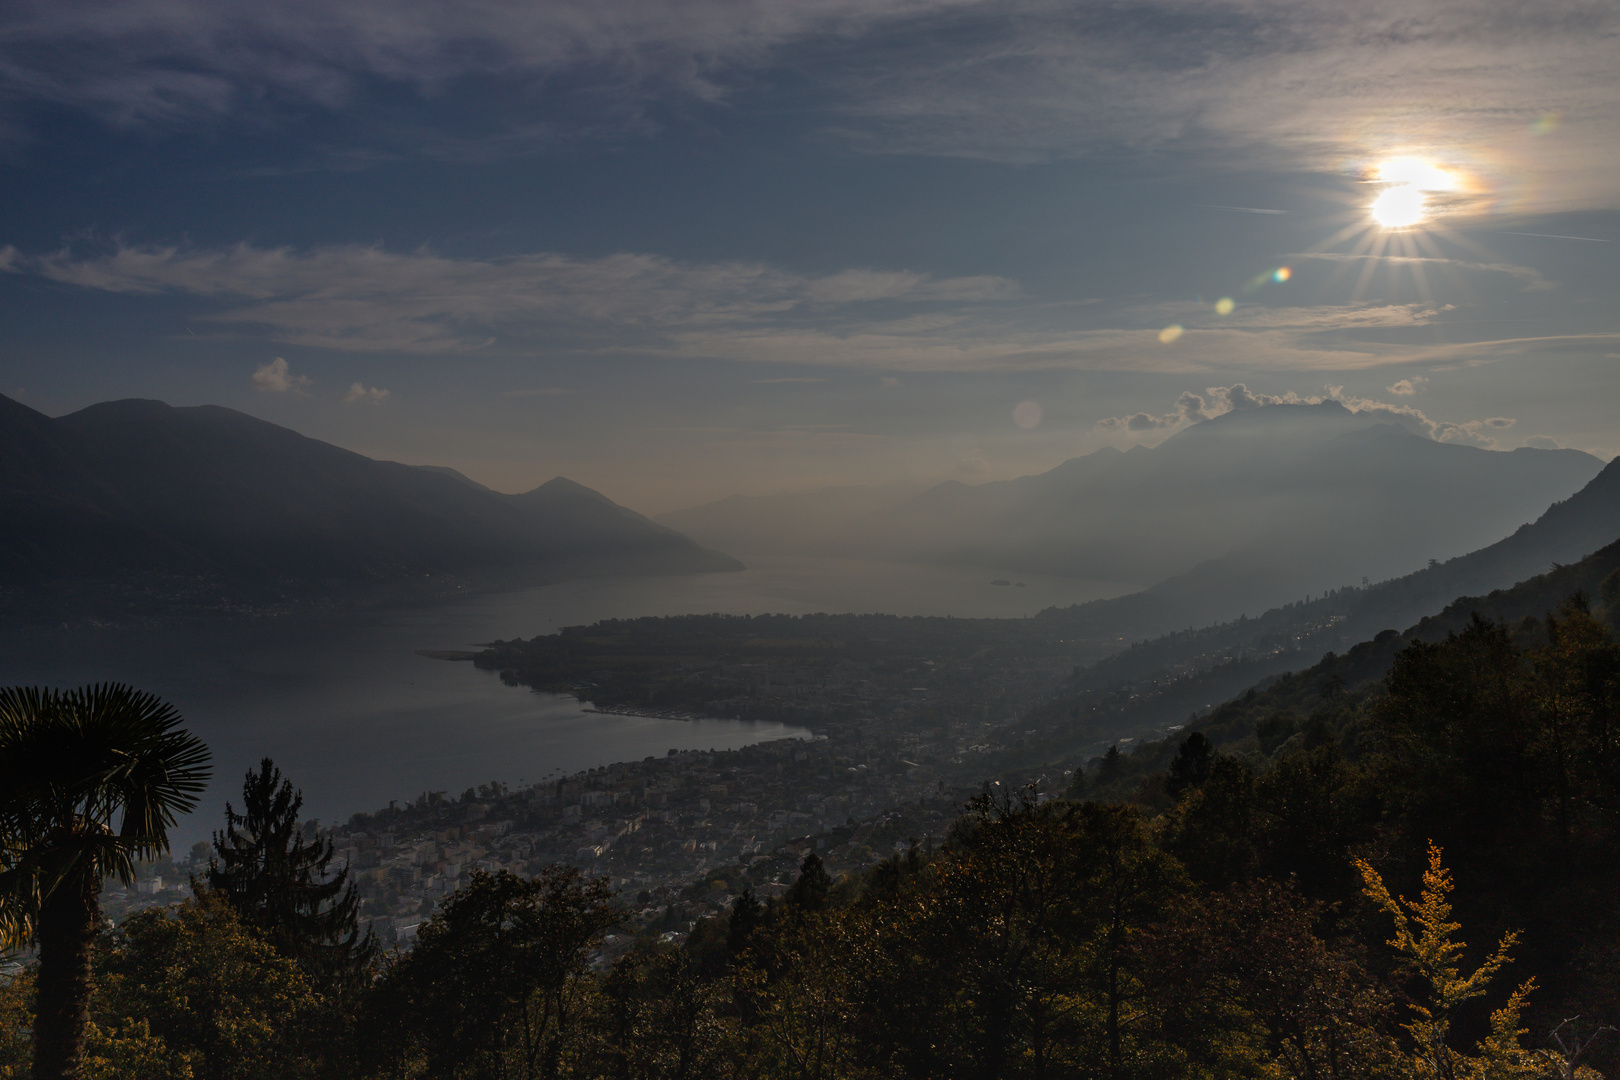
71,762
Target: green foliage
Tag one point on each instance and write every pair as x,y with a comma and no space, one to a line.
1023,946
1318,1010
16,1021
497,983
210,989
130,1051
657,1017
1275,730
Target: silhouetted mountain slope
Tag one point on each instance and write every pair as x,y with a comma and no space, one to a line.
1281,638
1240,512
570,515
1156,684
140,486
1319,689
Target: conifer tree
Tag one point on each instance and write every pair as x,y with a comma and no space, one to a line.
281,883
1191,765
1110,767
809,892
748,914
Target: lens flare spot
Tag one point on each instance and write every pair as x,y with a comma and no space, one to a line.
1171,333
1545,124
1224,306
1398,207
1028,415
1282,273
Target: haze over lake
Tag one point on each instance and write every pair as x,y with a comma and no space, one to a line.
356,718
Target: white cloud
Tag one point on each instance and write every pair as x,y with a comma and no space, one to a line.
372,394
1541,442
275,378
1219,400
1190,409
1407,387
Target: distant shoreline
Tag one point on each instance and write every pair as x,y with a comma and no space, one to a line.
653,714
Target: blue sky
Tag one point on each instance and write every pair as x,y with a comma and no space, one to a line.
681,251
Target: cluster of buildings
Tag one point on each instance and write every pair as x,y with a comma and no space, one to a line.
898,746
655,828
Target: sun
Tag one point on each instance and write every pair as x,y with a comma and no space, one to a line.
1399,207
1400,217
1408,180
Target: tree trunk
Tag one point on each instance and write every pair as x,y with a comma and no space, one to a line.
67,934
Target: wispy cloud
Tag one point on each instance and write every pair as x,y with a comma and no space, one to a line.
1522,95
1528,275
183,62
367,299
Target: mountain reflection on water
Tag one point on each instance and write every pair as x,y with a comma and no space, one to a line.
356,718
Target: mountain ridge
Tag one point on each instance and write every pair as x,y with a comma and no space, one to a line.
1235,514
141,487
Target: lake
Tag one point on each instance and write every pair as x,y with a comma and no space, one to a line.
355,718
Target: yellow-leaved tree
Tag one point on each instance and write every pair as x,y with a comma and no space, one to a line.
1426,938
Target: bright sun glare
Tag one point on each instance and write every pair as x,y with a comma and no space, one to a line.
1398,216
1402,203
1398,207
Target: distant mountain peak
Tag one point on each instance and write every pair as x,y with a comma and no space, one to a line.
560,487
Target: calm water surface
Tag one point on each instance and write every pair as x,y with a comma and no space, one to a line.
351,713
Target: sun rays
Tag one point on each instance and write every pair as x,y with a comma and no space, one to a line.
1403,225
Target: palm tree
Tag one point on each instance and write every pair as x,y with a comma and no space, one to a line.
72,761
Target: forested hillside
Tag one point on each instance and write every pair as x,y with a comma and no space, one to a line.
1226,905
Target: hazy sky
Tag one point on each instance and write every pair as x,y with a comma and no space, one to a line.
676,251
